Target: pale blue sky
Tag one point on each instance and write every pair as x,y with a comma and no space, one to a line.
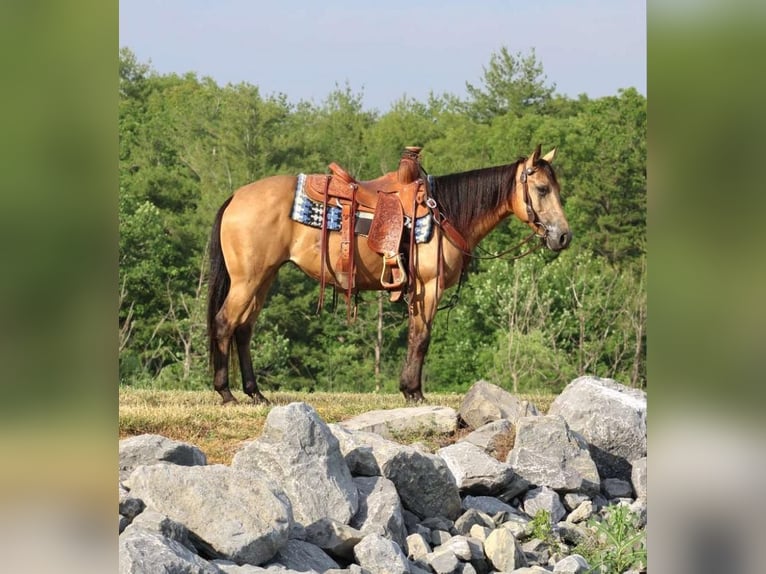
388,49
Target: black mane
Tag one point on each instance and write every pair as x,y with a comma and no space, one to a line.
465,197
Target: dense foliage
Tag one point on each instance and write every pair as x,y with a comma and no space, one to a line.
187,143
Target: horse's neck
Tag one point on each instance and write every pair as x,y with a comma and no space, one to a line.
486,223
481,228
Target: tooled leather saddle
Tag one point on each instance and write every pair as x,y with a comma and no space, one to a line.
387,200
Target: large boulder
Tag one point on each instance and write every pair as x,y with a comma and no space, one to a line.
391,422
485,402
611,417
302,557
154,449
141,551
296,445
423,481
239,516
547,453
495,438
381,556
503,550
380,510
474,470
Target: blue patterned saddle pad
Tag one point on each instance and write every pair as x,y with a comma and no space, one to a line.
310,213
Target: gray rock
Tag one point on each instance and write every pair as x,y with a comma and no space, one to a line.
123,523
130,506
337,539
611,417
616,488
242,517
442,561
480,532
439,537
638,477
516,487
390,423
474,470
358,449
471,517
489,505
423,481
582,512
494,438
638,507
503,551
296,444
154,449
230,567
380,510
574,499
535,569
465,548
142,551
303,556
157,522
544,498
352,569
381,556
417,546
438,523
572,564
485,402
548,453
572,534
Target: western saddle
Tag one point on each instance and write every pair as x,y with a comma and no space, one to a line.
386,200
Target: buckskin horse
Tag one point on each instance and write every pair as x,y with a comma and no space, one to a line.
360,236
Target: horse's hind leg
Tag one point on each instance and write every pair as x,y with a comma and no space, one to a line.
242,335
236,310
220,356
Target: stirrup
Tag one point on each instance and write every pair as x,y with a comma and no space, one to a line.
398,274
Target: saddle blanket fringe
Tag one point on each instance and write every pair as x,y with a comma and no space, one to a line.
309,212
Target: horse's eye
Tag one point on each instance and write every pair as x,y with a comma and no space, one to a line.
543,190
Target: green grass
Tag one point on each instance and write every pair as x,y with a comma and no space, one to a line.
197,417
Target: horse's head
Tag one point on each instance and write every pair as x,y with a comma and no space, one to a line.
537,201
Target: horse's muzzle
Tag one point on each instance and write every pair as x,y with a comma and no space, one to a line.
557,240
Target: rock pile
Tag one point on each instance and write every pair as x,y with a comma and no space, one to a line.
311,497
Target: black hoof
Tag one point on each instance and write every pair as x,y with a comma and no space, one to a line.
259,399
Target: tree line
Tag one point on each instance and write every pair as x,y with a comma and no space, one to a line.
187,143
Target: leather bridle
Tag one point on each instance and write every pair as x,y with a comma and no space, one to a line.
531,213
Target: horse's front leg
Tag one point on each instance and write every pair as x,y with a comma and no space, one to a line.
418,339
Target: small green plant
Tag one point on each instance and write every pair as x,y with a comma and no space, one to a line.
540,527
618,543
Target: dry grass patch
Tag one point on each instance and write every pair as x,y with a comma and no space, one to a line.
197,417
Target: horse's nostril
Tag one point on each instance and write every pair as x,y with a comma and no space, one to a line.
565,238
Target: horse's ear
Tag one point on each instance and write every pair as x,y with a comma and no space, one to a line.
535,156
550,155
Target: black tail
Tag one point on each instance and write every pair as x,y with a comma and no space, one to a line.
218,280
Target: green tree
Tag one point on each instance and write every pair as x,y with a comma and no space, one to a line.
512,84
605,154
